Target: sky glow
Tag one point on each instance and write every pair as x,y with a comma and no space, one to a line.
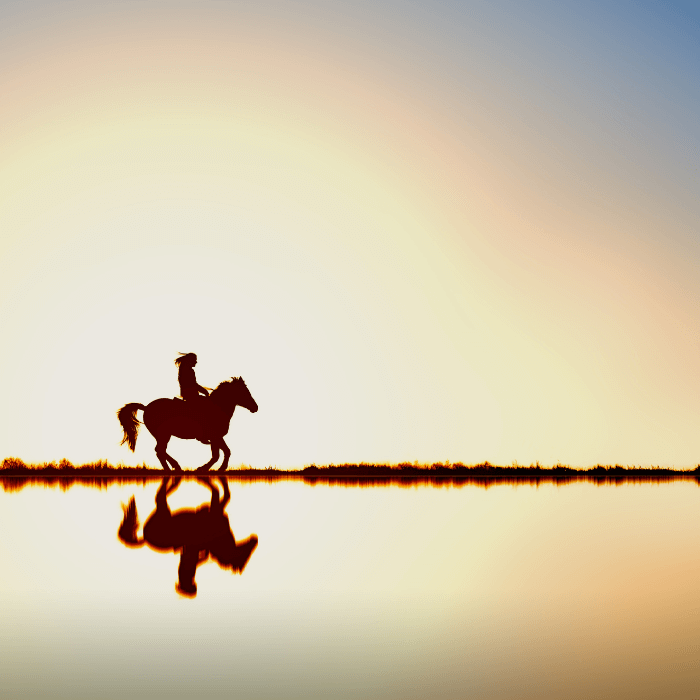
419,231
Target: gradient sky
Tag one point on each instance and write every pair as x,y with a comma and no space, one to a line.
419,230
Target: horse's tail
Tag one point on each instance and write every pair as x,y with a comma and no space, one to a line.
129,528
130,423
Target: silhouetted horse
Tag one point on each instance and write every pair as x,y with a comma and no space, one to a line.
197,533
167,417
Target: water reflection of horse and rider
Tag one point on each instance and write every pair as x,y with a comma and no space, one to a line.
199,534
198,415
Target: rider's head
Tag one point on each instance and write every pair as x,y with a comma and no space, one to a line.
189,359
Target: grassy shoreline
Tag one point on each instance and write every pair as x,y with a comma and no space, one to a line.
13,466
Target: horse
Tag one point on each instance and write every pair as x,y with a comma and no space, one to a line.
198,534
186,419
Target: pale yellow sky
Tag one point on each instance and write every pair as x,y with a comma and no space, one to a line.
411,246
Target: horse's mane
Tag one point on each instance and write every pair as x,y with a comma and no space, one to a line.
223,386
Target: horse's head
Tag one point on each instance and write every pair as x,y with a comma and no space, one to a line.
236,392
244,397
231,554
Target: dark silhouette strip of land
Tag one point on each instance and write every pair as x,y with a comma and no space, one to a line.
15,474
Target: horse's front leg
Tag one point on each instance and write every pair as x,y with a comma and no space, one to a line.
214,457
227,454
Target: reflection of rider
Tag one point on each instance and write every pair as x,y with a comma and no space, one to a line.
190,391
196,533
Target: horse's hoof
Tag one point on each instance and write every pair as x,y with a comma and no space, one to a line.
203,469
222,469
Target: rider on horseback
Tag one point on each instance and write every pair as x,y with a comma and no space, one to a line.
190,390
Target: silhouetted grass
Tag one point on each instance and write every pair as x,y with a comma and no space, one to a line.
487,469
15,474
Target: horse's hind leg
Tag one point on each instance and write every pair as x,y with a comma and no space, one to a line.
176,466
163,457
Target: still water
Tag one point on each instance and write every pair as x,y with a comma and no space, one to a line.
513,591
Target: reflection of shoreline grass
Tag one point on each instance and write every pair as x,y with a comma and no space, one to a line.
12,466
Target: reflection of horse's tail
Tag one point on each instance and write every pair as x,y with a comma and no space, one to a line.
130,525
130,423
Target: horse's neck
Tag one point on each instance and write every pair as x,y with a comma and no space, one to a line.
225,408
